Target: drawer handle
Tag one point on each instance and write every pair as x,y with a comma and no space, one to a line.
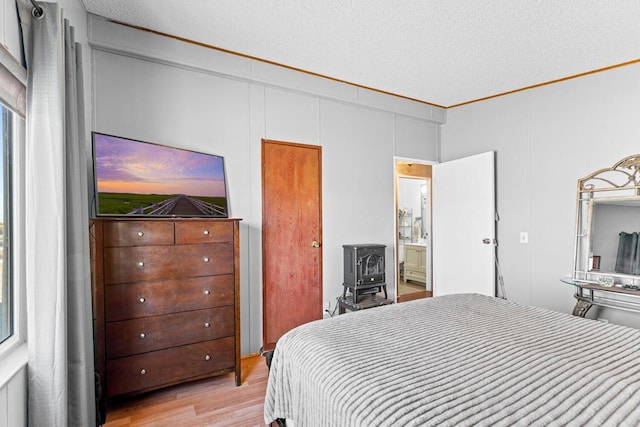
140,233
207,357
143,335
205,232
141,299
206,259
140,264
207,324
207,292
143,371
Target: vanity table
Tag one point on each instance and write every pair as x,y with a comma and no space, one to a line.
415,262
606,267
590,294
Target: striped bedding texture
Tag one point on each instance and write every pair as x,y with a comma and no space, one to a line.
456,360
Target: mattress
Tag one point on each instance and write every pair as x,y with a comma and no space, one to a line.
456,360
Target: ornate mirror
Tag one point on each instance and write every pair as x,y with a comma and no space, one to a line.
607,249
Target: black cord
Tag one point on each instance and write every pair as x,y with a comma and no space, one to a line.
332,312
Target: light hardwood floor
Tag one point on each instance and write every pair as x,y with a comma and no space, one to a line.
408,291
410,287
210,402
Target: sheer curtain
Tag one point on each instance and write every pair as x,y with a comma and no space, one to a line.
60,336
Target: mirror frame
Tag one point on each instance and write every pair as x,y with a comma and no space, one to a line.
619,183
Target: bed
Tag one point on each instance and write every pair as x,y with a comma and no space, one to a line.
452,361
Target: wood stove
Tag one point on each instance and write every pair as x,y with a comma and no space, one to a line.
364,270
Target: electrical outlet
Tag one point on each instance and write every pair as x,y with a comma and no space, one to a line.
524,237
327,305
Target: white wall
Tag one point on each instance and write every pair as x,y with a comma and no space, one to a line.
10,34
546,139
162,90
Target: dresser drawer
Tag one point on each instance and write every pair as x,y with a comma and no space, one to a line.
128,337
151,370
138,233
204,232
415,275
142,299
136,264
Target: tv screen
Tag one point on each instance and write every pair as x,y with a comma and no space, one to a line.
136,178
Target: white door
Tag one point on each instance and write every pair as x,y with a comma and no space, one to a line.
464,226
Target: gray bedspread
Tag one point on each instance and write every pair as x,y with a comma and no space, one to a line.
453,361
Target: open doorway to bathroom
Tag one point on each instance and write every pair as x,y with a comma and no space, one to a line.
413,230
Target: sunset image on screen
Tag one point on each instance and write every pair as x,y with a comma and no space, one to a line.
139,178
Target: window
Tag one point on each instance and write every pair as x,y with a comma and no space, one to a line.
6,288
13,79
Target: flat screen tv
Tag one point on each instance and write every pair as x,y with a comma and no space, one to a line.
136,178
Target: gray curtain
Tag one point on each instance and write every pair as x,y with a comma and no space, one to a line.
628,256
61,386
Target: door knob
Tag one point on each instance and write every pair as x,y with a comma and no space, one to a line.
315,244
486,241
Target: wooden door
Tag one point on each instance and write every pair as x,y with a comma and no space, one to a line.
464,226
291,237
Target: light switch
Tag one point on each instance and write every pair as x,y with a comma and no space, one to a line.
524,237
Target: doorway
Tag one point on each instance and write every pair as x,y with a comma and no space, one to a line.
291,237
413,230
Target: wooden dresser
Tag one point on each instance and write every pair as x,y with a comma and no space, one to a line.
166,301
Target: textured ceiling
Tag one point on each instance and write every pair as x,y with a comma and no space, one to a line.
443,52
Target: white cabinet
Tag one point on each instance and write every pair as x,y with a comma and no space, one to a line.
415,263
